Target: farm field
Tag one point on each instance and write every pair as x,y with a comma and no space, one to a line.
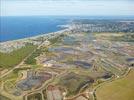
121,89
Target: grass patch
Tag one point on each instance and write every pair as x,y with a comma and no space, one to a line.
9,60
121,89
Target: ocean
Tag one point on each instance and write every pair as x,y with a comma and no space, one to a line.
18,27
12,28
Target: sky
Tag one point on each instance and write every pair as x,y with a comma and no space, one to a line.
67,7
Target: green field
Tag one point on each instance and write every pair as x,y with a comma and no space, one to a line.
3,98
121,89
9,60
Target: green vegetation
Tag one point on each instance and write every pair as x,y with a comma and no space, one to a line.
9,86
3,98
44,94
36,96
56,39
10,82
31,59
11,76
121,89
9,60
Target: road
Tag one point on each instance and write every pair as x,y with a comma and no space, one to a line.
94,90
21,63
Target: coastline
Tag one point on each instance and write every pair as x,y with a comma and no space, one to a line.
9,46
46,35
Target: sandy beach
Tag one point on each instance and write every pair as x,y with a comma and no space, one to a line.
9,46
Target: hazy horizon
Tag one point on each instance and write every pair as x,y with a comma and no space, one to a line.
67,8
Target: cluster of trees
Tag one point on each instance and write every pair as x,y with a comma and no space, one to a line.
31,59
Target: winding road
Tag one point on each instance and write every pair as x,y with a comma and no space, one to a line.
111,80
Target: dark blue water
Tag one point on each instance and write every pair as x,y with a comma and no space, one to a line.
12,28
